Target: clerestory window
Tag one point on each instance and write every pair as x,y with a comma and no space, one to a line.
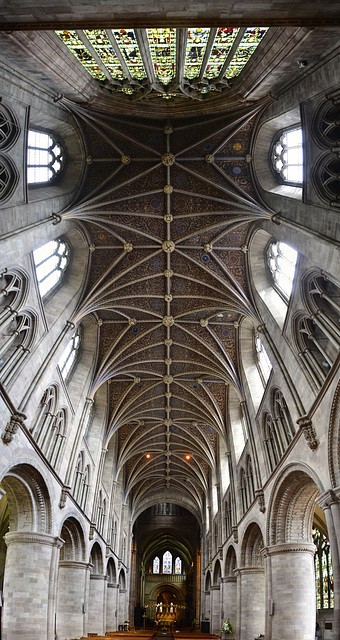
51,261
287,156
281,260
45,157
263,362
69,356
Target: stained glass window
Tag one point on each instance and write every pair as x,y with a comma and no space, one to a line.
45,157
162,44
79,50
127,43
222,44
249,43
51,261
155,565
69,355
281,261
167,562
178,565
102,46
103,52
287,157
196,44
323,572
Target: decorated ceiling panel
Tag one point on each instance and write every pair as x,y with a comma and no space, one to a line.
167,214
162,62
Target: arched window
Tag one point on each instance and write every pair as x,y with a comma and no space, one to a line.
178,566
155,565
46,414
281,260
243,488
271,441
77,483
85,488
69,356
45,157
263,362
287,156
15,341
323,572
316,349
228,520
51,261
283,421
57,439
167,562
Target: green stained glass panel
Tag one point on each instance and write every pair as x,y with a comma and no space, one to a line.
221,47
162,44
127,42
103,48
196,45
246,48
74,44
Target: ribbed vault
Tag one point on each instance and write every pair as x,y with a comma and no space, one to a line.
167,208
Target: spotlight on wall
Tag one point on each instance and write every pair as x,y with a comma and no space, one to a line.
187,457
148,456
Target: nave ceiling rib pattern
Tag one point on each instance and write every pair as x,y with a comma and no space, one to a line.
167,208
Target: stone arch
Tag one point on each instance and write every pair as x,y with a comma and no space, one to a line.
230,562
217,573
291,506
251,546
334,439
96,559
72,533
122,580
111,571
28,500
207,584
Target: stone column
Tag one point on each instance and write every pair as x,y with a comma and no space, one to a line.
251,603
71,598
215,612
29,603
229,602
291,603
97,604
111,606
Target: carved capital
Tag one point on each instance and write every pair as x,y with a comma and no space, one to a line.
92,530
12,427
309,432
260,499
235,533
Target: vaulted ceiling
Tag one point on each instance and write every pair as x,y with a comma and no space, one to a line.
167,207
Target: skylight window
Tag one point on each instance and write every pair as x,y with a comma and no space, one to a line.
45,157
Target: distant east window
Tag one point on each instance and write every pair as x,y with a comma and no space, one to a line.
51,261
45,157
281,259
287,156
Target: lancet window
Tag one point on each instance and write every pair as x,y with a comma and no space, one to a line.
16,335
228,519
167,562
281,260
51,261
167,565
155,565
70,353
323,571
263,363
45,158
287,156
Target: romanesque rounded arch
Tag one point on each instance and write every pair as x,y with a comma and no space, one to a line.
230,562
207,583
96,559
251,546
334,439
28,500
122,580
291,506
72,533
111,571
217,573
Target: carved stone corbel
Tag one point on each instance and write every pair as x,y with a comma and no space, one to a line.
92,530
235,533
64,493
260,499
12,427
309,432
